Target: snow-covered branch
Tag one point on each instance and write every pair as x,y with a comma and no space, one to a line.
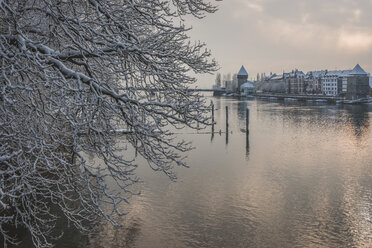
73,67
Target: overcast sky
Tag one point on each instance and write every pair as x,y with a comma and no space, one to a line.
276,35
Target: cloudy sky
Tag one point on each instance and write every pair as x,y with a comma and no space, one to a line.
276,35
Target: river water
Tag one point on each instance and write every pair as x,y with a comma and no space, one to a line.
302,178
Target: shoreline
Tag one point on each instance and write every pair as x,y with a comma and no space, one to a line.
303,98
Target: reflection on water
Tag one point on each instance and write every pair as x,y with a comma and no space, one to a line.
302,177
247,145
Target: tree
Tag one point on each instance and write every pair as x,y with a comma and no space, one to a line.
218,80
235,82
73,72
227,79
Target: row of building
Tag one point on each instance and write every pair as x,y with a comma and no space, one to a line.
351,84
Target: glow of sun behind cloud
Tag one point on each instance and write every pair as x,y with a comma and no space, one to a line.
355,42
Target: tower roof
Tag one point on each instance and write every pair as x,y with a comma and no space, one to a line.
242,72
358,71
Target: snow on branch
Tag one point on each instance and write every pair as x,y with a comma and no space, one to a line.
73,72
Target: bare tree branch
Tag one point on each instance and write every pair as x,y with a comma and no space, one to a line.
72,73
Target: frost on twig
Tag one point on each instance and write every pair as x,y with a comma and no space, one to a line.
72,67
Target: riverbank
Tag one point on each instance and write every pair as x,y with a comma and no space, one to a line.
307,98
313,98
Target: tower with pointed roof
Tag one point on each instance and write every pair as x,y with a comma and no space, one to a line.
242,77
357,84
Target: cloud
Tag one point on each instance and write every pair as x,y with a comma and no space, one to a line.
244,8
254,6
272,35
357,13
314,25
355,41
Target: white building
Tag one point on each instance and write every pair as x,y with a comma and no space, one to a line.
247,89
331,85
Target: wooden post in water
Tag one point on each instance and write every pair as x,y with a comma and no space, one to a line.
247,120
247,132
212,105
227,125
212,112
227,118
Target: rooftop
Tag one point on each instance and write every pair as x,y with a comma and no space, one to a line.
316,74
338,73
242,72
358,71
247,85
277,77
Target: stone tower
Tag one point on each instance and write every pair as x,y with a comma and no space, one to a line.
242,77
357,84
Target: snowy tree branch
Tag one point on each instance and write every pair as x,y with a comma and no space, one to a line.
71,73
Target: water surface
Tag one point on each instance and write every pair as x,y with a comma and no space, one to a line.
302,178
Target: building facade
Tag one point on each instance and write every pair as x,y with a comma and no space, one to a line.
247,89
351,84
295,82
331,85
356,86
313,82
